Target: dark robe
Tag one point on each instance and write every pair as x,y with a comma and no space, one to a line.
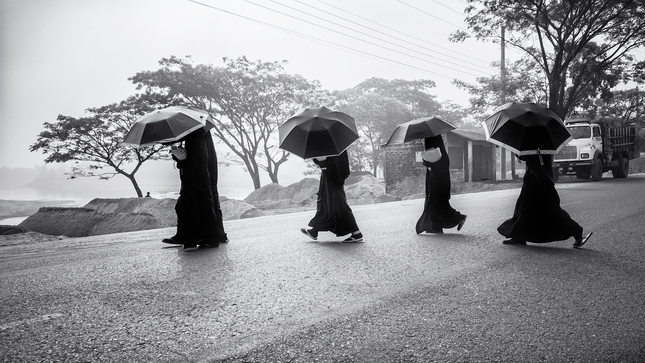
333,214
437,211
197,208
538,216
212,170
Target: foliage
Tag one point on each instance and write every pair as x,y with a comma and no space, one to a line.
524,82
414,95
625,107
581,45
248,101
94,142
378,105
376,116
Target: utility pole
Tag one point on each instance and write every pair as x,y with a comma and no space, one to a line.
502,96
503,99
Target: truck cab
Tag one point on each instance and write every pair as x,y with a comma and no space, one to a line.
594,149
587,139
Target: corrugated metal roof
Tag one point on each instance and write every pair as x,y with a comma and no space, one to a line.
471,135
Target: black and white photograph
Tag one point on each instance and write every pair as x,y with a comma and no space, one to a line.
301,181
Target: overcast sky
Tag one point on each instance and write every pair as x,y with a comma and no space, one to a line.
63,56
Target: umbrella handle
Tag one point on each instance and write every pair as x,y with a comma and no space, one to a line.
540,157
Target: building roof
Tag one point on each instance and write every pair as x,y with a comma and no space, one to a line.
471,135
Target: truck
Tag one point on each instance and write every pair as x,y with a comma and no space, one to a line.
596,147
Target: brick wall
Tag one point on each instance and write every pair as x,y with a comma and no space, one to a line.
400,162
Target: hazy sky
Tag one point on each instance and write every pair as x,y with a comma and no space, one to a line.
63,56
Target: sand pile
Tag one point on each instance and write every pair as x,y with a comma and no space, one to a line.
365,189
275,196
106,216
359,188
161,209
82,222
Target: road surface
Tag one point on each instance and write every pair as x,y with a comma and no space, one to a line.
273,295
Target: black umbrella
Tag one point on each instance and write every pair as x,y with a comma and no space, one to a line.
167,125
315,132
526,129
418,129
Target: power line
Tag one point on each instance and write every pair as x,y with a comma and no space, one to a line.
357,38
434,16
402,33
400,39
321,41
447,7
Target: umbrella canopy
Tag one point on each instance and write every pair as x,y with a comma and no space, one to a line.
169,124
418,129
526,129
315,132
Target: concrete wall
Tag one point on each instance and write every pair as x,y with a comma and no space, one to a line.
465,154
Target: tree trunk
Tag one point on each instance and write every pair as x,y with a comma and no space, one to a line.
135,185
273,175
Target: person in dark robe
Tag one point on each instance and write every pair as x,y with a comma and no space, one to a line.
333,214
437,211
538,216
199,216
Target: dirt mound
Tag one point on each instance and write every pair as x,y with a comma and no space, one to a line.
106,216
161,209
9,230
237,209
366,190
81,222
275,196
360,189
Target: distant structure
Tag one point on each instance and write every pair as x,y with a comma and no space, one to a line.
472,158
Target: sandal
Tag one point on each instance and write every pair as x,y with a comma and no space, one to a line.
579,242
513,241
461,224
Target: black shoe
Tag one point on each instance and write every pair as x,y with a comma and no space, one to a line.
210,244
354,238
513,241
190,247
172,241
310,233
461,224
435,231
579,242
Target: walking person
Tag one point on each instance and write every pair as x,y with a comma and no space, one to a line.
333,214
199,216
437,211
538,216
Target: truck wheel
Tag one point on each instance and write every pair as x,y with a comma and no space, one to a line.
623,167
596,170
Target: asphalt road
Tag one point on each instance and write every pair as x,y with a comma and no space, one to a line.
272,295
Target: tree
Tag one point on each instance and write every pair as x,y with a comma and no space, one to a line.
626,107
376,117
379,105
582,46
414,95
248,101
94,141
525,82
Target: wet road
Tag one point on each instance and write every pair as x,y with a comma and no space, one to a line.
273,295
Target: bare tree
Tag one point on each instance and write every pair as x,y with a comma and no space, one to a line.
94,142
247,99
